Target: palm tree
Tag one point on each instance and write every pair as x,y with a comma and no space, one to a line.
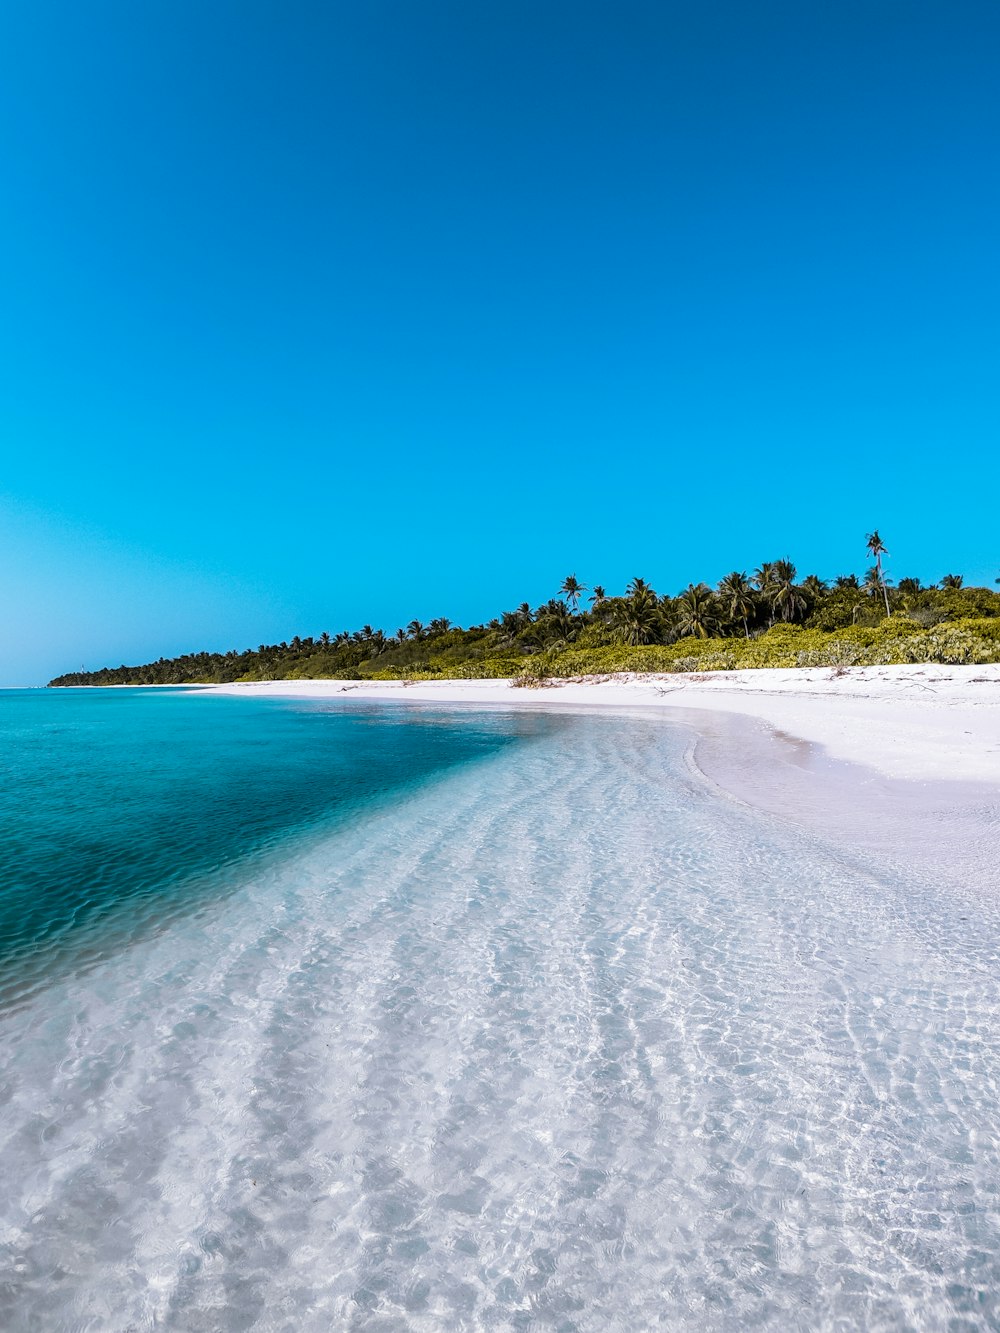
763,576
696,613
415,630
637,616
510,625
785,596
401,636
953,581
737,597
667,617
601,608
324,639
555,629
872,583
876,549
440,626
846,581
909,587
572,590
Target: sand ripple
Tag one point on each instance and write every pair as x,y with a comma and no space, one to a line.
563,1041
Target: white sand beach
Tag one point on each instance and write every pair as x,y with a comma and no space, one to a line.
920,722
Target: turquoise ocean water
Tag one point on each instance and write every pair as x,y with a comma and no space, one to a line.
119,808
330,1015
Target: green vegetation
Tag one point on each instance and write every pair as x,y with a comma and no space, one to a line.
769,619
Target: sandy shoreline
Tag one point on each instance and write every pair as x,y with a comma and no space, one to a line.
921,722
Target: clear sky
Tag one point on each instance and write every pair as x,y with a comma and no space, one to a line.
317,313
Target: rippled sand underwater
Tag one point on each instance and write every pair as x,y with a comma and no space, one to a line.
559,1039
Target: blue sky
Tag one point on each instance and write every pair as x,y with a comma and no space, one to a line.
322,313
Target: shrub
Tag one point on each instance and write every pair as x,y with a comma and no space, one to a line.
534,676
835,654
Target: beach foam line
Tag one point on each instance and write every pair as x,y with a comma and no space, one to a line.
925,722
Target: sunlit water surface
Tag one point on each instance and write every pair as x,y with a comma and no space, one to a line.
319,1017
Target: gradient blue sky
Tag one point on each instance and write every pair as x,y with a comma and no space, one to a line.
322,313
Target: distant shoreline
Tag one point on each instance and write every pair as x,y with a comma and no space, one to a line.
924,722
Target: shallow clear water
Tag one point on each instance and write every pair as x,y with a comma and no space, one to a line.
121,807
478,1020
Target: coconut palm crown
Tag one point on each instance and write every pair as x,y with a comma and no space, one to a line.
737,596
876,549
572,589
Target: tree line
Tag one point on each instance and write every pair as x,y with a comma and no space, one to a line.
742,604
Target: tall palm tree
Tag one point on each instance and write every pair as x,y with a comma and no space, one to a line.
785,596
668,616
572,589
696,612
415,630
601,609
637,617
876,549
736,594
763,576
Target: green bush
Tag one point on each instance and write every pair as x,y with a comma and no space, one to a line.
835,654
897,641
